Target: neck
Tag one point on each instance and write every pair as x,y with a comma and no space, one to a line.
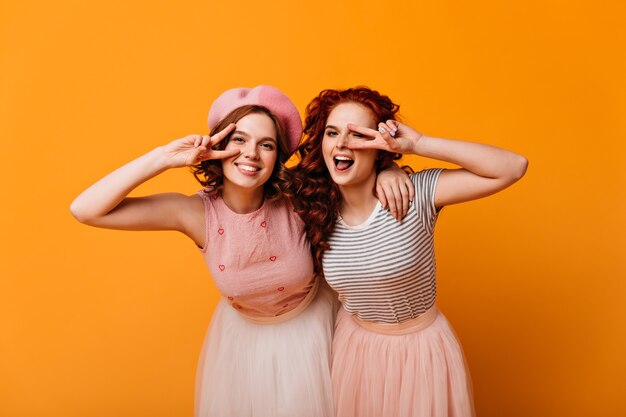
242,200
358,201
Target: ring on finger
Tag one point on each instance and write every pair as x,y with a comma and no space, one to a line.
382,130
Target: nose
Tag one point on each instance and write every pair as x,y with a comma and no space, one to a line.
342,141
251,151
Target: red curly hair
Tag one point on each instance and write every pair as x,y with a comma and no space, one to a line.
315,196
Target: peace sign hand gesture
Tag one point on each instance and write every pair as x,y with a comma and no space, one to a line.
193,149
391,136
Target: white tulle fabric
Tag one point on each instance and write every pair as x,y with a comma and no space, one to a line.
249,369
419,374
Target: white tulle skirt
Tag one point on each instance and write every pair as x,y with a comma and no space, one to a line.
249,369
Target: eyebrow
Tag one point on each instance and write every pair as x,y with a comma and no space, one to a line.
242,133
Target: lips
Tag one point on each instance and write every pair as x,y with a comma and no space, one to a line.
342,162
247,169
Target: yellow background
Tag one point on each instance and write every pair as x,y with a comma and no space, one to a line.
107,323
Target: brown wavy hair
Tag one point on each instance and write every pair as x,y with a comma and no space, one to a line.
315,196
209,173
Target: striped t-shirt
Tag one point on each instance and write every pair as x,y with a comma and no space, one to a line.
384,270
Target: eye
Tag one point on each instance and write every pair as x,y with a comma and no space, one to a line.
331,133
357,135
237,139
268,146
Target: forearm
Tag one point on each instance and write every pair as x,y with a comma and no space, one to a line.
483,160
106,194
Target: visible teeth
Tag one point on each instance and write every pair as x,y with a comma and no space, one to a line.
343,158
248,168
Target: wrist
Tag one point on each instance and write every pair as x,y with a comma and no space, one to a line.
158,160
417,143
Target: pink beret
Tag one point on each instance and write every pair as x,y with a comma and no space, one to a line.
265,96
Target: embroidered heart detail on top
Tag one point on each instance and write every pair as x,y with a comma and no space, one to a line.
222,267
272,258
220,231
281,288
263,223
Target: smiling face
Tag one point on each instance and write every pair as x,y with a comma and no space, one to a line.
255,138
349,167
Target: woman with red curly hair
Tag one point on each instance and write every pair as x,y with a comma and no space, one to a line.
394,353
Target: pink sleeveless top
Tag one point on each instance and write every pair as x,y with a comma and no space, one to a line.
260,261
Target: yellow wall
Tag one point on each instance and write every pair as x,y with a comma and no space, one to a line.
105,323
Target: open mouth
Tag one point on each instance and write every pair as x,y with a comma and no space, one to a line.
342,163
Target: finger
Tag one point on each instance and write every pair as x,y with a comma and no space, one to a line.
211,154
217,138
206,139
384,133
223,154
391,200
205,155
411,188
363,144
392,127
195,139
405,199
192,155
366,131
380,194
400,203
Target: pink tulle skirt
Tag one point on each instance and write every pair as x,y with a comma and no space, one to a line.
415,373
249,369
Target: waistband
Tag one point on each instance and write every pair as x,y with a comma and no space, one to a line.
410,326
308,299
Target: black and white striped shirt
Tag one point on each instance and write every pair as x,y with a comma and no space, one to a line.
384,270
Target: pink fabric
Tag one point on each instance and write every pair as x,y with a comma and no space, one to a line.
260,261
419,374
262,95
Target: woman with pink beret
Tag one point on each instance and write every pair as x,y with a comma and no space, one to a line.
267,350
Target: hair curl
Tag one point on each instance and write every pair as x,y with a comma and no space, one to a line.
315,196
209,173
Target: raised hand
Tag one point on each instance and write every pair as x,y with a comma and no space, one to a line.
391,136
193,149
